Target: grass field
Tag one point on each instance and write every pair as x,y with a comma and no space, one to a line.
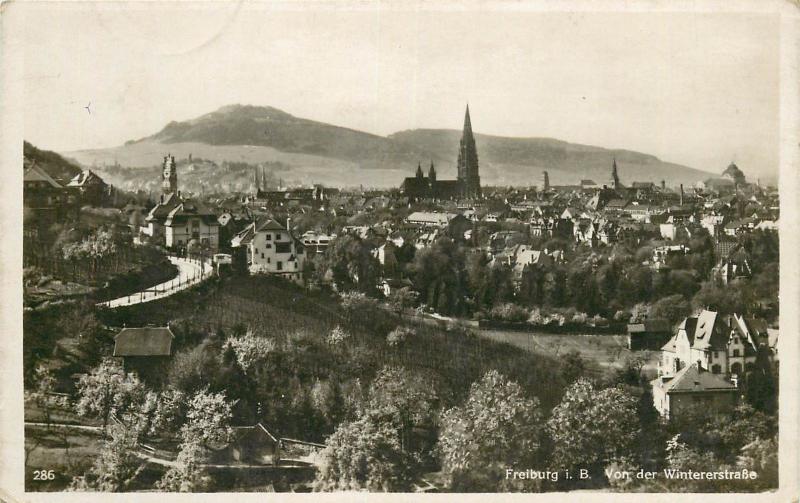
601,352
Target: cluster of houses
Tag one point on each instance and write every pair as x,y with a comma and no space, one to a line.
501,222
56,200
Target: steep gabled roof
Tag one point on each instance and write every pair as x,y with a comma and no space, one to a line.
670,345
269,225
37,174
711,331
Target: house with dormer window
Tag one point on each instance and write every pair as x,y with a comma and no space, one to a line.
723,346
270,248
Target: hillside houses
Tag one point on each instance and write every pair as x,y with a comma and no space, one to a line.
707,359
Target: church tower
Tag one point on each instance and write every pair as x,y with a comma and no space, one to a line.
615,175
169,175
432,174
468,176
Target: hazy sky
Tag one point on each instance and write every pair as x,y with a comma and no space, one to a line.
697,89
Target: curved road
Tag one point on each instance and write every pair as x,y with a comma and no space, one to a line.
190,273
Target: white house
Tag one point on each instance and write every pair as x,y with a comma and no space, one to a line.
271,249
174,222
702,364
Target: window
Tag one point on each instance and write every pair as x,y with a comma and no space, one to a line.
280,265
269,260
268,246
262,255
735,352
269,237
716,354
283,247
716,369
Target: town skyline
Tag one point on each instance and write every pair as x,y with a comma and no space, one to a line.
649,87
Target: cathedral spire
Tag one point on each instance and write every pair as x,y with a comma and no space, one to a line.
615,175
468,175
419,170
432,173
467,122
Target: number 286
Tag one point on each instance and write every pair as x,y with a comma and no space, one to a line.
44,475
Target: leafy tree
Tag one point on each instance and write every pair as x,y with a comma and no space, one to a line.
108,390
497,427
191,369
349,263
409,401
158,413
532,285
761,456
673,308
591,428
439,275
116,467
401,299
761,383
208,417
735,297
364,455
555,290
250,349
572,366
327,400
42,393
187,475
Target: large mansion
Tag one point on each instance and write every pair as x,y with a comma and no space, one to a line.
706,360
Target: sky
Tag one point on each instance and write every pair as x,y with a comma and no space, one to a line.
700,89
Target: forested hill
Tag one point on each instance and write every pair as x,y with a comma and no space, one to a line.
55,165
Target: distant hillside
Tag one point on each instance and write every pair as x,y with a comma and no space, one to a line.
521,160
313,151
56,166
270,127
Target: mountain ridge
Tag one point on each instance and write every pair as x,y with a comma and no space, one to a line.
268,134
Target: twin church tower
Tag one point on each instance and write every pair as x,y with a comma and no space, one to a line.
466,186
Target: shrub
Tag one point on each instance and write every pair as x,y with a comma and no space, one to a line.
509,312
337,336
399,335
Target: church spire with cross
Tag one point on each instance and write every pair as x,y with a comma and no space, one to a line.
468,175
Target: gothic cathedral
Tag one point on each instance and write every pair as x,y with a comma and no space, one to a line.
466,186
